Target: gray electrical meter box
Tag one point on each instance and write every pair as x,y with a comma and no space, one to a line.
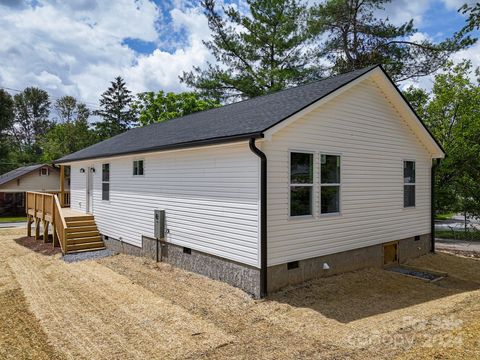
160,224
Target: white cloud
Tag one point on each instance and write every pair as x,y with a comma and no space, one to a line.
77,48
456,4
401,11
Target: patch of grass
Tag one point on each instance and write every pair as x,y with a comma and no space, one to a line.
444,216
12,219
458,235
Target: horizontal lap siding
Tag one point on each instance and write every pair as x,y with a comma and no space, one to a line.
210,195
373,140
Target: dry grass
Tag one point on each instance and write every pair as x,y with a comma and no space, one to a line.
131,308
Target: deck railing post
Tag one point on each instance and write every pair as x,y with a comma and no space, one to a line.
62,185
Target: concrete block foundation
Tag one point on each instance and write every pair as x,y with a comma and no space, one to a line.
247,278
239,275
279,276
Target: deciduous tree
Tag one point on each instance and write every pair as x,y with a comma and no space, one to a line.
158,107
452,113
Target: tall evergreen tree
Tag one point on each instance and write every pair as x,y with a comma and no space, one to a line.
473,20
264,51
356,37
116,110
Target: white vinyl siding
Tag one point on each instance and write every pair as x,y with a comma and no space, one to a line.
373,140
210,195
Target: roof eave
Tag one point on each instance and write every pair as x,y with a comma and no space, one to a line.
186,145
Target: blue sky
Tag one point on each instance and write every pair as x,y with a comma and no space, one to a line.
78,47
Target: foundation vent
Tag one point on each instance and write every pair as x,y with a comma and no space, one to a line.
417,237
292,265
187,250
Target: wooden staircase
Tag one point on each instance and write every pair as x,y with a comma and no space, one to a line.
82,234
73,231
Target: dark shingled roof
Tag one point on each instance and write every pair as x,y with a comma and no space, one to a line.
12,175
249,118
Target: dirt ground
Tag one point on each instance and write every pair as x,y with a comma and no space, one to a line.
124,307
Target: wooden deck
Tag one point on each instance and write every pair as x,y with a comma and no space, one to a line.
72,230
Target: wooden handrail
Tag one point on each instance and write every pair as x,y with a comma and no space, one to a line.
60,224
51,210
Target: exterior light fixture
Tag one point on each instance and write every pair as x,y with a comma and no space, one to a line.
82,170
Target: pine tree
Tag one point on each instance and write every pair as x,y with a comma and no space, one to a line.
272,51
116,110
356,38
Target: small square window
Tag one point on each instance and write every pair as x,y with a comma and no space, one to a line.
44,172
137,167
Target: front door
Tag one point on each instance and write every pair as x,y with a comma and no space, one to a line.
89,187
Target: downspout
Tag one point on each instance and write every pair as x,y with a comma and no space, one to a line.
435,163
263,216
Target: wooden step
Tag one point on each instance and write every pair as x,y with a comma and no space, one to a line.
82,223
84,240
82,234
81,228
84,246
78,218
84,250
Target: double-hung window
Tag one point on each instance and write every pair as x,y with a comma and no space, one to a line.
329,184
138,167
105,181
301,183
408,183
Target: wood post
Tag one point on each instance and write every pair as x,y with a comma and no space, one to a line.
37,228
45,231
29,225
54,237
62,185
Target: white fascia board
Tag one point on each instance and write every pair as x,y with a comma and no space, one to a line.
408,115
390,90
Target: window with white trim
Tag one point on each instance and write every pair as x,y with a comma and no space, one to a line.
138,167
301,183
44,171
329,184
408,183
105,181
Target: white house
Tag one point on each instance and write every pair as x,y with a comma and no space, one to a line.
318,179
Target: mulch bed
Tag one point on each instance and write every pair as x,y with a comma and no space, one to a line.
38,246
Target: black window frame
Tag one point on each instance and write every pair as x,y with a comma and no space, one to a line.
409,184
106,182
328,184
137,169
295,185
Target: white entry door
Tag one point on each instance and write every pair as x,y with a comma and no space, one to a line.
89,187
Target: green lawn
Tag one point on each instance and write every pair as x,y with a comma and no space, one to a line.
445,216
459,235
12,219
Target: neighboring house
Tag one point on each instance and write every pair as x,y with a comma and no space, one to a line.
14,184
315,180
